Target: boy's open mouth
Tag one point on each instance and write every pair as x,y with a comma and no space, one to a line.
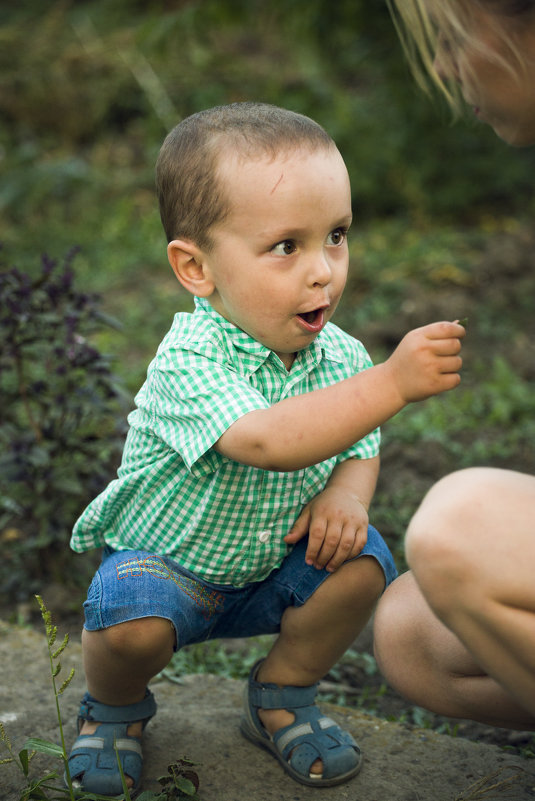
311,316
313,320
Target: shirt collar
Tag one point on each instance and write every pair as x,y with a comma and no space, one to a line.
309,357
240,339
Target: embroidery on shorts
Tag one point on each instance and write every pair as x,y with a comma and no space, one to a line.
208,600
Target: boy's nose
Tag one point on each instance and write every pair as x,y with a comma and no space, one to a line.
320,271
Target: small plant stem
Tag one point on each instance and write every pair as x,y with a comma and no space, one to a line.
51,632
62,737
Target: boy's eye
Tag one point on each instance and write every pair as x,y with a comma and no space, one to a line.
284,248
336,237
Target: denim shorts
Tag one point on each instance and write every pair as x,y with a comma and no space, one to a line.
134,584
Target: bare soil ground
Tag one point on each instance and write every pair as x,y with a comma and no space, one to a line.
198,719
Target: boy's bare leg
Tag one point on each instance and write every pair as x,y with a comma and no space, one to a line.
314,636
120,661
471,546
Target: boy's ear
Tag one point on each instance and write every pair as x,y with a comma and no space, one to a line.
188,263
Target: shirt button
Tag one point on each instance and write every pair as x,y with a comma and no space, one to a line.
264,536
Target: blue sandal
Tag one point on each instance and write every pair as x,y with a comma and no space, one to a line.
310,737
93,761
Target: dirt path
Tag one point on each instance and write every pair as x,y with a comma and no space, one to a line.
199,719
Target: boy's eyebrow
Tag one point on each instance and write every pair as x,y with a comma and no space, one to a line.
290,232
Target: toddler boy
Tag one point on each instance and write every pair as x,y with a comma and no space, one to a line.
241,504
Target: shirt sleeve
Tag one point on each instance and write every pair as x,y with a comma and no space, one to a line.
366,448
191,400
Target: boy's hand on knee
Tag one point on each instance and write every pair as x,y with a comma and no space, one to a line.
336,522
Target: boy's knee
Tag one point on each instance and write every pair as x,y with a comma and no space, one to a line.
364,578
139,638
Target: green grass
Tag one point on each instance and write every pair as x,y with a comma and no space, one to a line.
490,419
214,656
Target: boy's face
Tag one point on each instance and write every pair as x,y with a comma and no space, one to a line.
279,260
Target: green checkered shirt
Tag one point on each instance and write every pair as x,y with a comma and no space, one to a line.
174,494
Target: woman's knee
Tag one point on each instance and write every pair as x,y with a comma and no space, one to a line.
441,509
438,545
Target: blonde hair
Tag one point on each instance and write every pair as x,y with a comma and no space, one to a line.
420,23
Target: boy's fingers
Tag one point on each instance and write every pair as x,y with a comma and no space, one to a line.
299,528
449,381
316,537
446,347
357,542
451,364
343,550
444,330
329,541
360,541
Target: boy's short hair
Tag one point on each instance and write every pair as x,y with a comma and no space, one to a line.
190,195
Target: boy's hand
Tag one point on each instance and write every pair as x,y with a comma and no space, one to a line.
336,522
426,361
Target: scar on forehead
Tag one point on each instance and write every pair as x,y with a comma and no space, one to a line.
278,182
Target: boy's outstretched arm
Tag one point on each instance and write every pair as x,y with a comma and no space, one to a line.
304,430
336,520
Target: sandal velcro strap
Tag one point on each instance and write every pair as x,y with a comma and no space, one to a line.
91,709
293,732
270,696
99,743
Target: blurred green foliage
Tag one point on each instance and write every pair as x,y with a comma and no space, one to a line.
87,104
88,91
62,422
